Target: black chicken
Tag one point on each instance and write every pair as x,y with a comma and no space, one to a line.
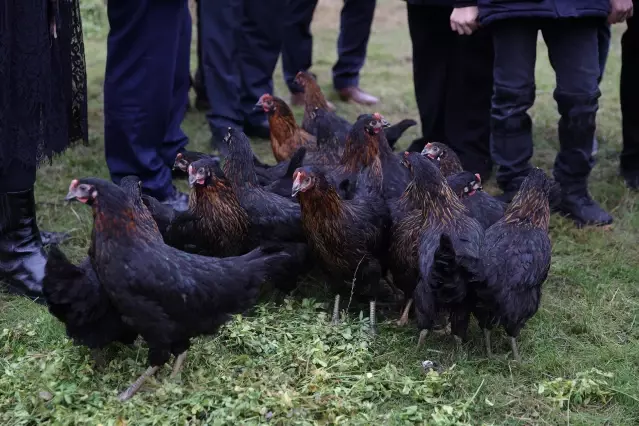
407,220
314,99
516,258
348,237
329,149
446,158
184,158
166,295
448,251
368,163
75,296
272,217
482,206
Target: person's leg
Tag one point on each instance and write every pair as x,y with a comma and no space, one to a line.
22,259
511,144
142,48
259,51
603,38
220,37
574,55
297,41
470,90
201,101
355,28
629,95
175,139
432,42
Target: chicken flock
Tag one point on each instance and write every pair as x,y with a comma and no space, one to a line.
339,202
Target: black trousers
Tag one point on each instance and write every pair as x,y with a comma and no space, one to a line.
574,55
241,41
355,29
17,177
453,84
629,95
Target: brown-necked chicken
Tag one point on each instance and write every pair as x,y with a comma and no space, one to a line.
349,238
272,217
184,158
481,205
445,157
286,135
166,295
516,256
314,99
370,159
75,296
450,241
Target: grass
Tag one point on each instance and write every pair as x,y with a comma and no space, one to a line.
284,365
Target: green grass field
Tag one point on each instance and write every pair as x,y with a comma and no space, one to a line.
285,365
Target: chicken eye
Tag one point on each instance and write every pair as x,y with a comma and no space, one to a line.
372,123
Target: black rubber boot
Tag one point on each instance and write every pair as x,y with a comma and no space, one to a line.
577,205
22,258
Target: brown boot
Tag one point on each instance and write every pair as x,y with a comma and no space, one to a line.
357,95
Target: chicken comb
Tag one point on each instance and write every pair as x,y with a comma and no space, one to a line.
478,177
377,116
178,156
74,184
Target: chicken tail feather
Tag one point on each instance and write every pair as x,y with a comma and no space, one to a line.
394,132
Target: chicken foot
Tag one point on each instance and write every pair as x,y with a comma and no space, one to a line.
179,363
513,345
99,358
403,320
335,319
489,351
135,387
373,319
422,337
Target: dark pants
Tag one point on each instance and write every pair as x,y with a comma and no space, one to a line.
629,95
574,55
198,81
241,42
453,84
146,89
355,27
17,178
603,39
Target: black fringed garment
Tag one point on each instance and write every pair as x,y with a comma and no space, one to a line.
43,88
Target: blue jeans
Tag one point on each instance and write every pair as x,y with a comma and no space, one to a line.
574,55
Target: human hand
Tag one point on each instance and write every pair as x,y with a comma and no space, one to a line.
464,20
620,11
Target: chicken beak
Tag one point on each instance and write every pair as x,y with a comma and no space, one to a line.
192,180
385,123
259,106
297,186
71,196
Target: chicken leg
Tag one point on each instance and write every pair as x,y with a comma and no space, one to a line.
422,337
135,387
373,319
179,363
489,351
99,358
513,345
335,319
403,320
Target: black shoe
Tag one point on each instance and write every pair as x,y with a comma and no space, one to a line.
260,131
179,201
582,209
632,179
22,258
